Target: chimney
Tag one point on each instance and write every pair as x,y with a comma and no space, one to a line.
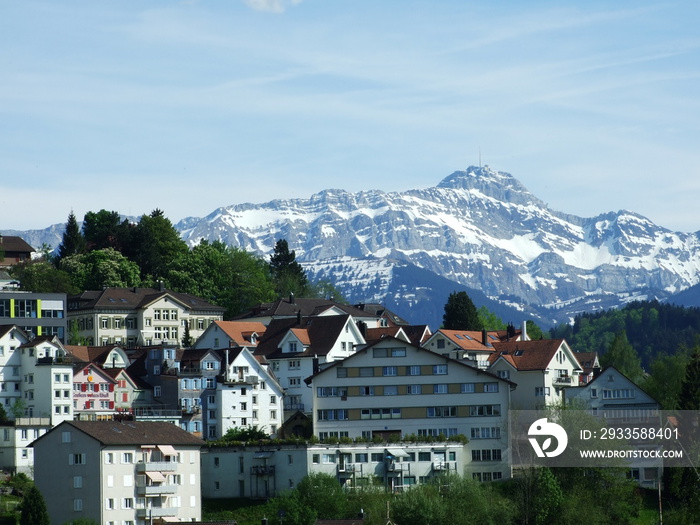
524,336
291,298
315,367
484,337
161,286
299,317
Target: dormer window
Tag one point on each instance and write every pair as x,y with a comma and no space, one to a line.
292,346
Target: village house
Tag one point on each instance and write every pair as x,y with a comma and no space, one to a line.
119,472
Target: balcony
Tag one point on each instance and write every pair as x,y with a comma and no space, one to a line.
156,512
442,465
60,360
159,466
562,380
397,467
295,406
155,490
347,468
262,470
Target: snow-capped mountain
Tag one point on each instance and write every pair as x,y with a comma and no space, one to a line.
479,228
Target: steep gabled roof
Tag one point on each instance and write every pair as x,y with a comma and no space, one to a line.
91,354
469,339
587,360
527,355
130,433
322,333
376,334
193,356
240,332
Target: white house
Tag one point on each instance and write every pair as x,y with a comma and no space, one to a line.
541,369
247,395
296,348
119,472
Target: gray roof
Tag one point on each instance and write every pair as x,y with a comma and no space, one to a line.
132,432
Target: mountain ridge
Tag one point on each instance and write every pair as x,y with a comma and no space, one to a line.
479,228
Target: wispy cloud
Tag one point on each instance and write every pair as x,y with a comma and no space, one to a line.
271,6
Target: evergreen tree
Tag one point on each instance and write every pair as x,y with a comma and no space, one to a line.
288,274
623,356
34,510
460,313
73,241
186,337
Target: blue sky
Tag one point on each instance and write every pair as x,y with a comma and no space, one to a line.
188,106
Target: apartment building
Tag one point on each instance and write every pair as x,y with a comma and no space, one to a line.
392,389
118,473
265,472
40,314
139,316
16,453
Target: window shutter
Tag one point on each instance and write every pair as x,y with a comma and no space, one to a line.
111,404
83,387
111,387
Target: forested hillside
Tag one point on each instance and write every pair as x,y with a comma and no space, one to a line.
652,328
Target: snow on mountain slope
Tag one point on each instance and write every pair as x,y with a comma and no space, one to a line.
480,228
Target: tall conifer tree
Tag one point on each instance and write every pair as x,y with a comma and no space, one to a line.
73,242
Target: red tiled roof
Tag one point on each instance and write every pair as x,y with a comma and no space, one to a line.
527,355
240,332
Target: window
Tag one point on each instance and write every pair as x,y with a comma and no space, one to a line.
390,371
156,391
109,458
391,390
76,459
109,504
413,389
77,482
65,437
440,388
441,343
541,391
504,374
366,390
439,370
467,388
484,410
413,370
294,364
361,457
594,392
491,387
128,503
211,382
341,371
294,381
423,456
441,411
127,457
77,504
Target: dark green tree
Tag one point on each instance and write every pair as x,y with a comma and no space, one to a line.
460,313
73,241
226,276
288,274
187,340
155,245
102,230
323,494
622,356
34,510
534,332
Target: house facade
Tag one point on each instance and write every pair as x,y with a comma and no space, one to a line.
392,389
16,453
139,316
296,348
119,473
541,369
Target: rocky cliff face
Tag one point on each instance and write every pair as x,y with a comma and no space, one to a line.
480,228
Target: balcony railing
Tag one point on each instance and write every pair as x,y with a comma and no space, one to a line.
562,380
441,465
347,468
156,512
294,406
262,470
155,490
159,466
397,467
